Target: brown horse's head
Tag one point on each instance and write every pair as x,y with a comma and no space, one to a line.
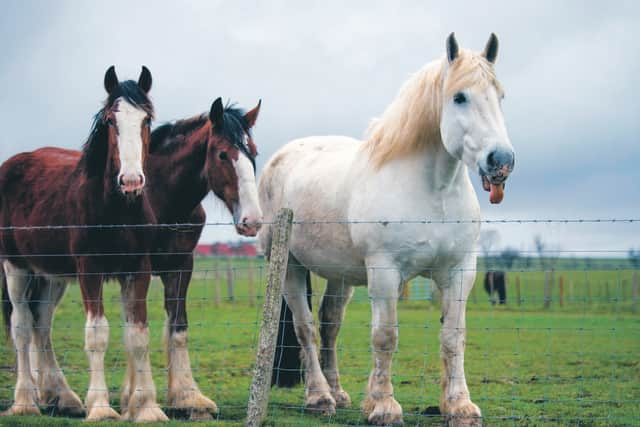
119,143
230,164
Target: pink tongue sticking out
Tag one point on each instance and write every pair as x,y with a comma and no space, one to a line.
497,193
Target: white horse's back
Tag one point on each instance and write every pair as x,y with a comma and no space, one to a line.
311,177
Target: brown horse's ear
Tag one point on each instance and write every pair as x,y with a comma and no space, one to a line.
491,49
144,81
110,80
216,115
452,48
252,115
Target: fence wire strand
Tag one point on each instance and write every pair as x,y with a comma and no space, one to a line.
561,348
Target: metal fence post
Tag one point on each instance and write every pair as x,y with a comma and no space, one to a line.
261,384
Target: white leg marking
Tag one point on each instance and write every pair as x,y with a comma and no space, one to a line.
52,383
142,405
26,392
96,341
184,393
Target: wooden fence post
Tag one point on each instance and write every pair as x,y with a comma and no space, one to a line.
216,285
405,295
230,285
571,291
252,289
634,293
547,289
561,291
261,384
518,290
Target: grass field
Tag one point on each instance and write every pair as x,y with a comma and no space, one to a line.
525,365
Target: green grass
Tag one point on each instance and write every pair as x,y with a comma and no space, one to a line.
571,365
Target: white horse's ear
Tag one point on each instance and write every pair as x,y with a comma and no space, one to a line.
452,48
491,49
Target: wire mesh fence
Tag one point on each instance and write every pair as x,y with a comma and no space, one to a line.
561,347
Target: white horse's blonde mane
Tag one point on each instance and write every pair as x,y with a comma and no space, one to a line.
411,122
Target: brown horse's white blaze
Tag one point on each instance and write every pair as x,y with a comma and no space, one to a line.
130,122
247,215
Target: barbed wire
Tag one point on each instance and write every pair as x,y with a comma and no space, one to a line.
417,221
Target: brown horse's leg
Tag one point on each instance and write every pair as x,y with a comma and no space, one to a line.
142,405
183,392
26,392
53,386
96,341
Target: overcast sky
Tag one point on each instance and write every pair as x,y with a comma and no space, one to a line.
570,70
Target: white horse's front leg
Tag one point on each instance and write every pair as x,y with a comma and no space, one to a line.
380,407
318,396
455,402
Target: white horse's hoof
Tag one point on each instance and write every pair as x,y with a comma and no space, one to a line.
148,414
102,413
192,403
342,398
383,412
66,403
322,403
464,413
20,410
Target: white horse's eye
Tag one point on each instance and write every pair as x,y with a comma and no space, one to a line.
459,98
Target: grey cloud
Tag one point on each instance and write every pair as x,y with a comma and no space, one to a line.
569,69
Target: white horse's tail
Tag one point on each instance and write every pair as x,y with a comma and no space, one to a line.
7,308
287,365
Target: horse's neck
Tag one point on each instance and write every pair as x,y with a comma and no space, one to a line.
180,180
432,171
442,171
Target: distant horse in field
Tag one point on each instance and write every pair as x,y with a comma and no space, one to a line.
495,283
60,212
358,208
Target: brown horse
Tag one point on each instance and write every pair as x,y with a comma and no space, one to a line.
60,212
188,159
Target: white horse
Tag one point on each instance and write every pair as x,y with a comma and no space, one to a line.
355,205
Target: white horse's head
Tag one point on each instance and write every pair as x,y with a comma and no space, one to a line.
471,122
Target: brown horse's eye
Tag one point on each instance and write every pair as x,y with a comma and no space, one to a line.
223,156
109,122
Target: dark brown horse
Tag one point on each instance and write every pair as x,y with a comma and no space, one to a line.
60,212
189,158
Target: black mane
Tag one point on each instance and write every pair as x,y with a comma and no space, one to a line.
235,127
131,92
164,136
94,150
